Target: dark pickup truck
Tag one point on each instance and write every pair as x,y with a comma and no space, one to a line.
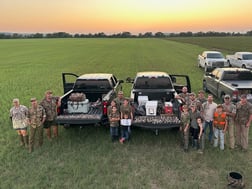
153,95
86,99
232,81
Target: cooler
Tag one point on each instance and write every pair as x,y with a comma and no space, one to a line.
142,100
151,107
78,107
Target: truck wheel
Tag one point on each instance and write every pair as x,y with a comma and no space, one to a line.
243,66
229,64
205,87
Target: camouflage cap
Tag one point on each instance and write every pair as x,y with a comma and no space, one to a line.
48,92
243,96
33,99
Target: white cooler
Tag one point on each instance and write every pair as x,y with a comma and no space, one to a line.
78,107
151,107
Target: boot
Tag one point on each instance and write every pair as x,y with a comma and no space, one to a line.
55,131
26,141
21,140
48,133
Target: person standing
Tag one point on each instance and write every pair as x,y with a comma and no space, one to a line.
201,135
37,118
184,96
185,127
18,115
200,100
230,110
50,104
119,99
208,109
114,118
194,114
242,121
220,126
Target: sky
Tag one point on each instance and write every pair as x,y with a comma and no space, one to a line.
115,16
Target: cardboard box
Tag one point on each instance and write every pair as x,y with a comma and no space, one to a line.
151,107
78,107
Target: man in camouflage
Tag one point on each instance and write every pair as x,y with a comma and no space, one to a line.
243,121
37,118
18,116
50,104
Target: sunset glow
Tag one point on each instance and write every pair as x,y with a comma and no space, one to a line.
135,16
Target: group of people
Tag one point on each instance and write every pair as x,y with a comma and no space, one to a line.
200,114
37,117
120,115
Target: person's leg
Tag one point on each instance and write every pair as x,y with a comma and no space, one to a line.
244,137
216,136
25,136
238,134
222,138
231,135
31,139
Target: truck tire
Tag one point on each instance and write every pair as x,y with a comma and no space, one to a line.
243,66
229,64
205,87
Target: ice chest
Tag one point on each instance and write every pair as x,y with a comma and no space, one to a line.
151,107
78,107
142,100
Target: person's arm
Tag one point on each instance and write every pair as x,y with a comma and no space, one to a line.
201,131
249,121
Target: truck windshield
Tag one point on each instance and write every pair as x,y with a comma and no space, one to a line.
153,83
214,55
236,75
92,84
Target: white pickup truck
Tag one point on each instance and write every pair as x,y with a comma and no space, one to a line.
211,59
240,59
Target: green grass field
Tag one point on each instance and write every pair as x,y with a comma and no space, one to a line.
86,158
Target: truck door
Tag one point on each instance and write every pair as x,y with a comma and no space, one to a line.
68,80
180,81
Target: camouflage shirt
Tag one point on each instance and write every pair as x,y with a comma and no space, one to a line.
185,118
114,115
36,116
19,116
243,112
50,108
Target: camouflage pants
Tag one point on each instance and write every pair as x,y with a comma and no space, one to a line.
185,138
36,132
242,134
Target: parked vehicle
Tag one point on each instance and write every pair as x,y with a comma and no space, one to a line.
211,59
85,101
232,81
153,95
240,59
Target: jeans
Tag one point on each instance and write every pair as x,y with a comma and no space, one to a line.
210,125
219,134
125,132
114,132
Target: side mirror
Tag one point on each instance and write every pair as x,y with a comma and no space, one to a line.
174,80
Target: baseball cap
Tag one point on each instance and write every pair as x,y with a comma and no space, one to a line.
33,99
243,96
227,96
48,92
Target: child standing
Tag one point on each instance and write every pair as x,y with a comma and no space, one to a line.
184,128
125,124
114,118
220,126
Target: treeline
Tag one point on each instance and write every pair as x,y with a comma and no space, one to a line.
122,35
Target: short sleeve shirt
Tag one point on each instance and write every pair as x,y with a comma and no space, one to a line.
50,108
36,116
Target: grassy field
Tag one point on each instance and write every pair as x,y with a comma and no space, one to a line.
86,158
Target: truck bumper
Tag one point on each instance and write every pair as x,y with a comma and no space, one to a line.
156,122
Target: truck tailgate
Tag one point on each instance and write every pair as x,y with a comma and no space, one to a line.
157,122
93,116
